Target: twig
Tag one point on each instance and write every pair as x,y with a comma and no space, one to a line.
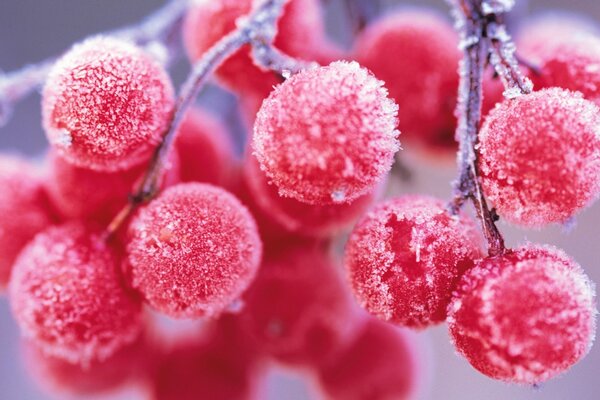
260,25
162,27
361,12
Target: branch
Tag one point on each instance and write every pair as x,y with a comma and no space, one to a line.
162,27
259,26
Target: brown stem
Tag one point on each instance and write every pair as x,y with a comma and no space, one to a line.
476,46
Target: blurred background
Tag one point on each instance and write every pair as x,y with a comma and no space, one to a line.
31,30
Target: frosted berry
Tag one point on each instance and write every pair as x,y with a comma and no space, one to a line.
405,256
23,210
205,149
525,316
380,364
106,104
540,156
67,297
327,135
193,250
424,81
297,217
298,310
300,34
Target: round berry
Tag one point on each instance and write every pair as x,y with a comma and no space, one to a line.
67,297
540,156
106,105
205,149
380,364
300,33
525,316
193,250
405,256
424,81
23,209
297,217
327,135
298,310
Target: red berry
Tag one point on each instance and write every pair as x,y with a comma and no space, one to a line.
298,310
106,105
300,218
380,364
300,34
23,210
525,316
424,80
405,256
327,135
540,156
193,250
67,297
205,149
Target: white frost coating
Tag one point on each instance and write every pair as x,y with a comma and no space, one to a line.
497,6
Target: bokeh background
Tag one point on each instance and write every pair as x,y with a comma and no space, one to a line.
31,30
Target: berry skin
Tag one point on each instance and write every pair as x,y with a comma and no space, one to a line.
327,135
300,218
205,149
525,316
67,297
193,250
540,156
424,81
82,193
380,364
405,256
106,105
300,34
298,310
23,209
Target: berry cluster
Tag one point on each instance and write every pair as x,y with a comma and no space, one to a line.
145,215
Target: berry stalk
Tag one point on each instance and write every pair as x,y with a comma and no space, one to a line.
473,18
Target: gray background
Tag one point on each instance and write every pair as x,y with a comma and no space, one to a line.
31,30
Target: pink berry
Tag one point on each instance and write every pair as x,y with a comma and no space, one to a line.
205,149
525,316
67,297
327,135
298,310
300,218
106,105
193,250
380,364
300,34
23,210
424,81
540,156
405,256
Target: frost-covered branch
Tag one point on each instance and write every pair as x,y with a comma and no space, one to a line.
158,30
258,27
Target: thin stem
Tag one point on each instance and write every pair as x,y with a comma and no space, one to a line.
261,23
473,24
160,27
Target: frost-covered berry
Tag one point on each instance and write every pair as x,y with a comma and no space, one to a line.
424,80
67,297
298,310
525,316
300,33
405,256
23,210
205,149
297,217
327,135
193,250
540,156
106,104
380,364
